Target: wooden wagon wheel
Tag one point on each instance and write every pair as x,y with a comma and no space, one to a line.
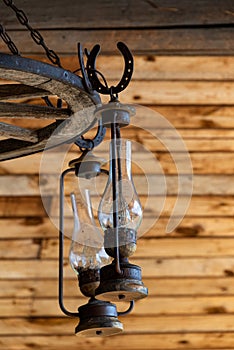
37,79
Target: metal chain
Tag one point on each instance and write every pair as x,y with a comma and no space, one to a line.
35,34
7,40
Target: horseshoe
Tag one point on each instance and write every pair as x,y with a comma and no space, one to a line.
126,77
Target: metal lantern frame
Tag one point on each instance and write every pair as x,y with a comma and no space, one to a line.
107,309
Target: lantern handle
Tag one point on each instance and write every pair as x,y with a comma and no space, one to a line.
61,244
131,306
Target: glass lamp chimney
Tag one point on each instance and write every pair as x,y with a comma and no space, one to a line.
120,215
120,208
87,254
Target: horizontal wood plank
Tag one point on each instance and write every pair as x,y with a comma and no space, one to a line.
152,267
201,117
210,120
132,324
176,341
151,247
202,162
193,123
25,249
179,41
153,67
33,206
29,185
199,206
131,14
204,206
158,287
42,228
163,247
195,138
193,145
217,93
151,306
164,92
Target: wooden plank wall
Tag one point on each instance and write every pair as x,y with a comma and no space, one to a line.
184,69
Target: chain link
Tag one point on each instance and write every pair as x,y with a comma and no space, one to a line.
7,40
35,34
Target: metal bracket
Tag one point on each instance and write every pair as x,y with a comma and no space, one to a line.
86,82
126,77
89,144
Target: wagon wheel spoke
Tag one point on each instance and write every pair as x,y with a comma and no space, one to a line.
15,91
17,110
17,132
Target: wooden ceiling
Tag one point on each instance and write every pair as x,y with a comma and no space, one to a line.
184,69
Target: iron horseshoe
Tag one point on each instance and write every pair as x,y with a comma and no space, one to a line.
126,77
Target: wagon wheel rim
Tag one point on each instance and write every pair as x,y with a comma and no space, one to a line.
37,79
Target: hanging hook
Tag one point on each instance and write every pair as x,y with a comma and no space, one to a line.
88,144
126,77
87,83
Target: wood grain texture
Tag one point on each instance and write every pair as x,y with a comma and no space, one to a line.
179,41
199,206
15,91
184,70
24,111
164,247
178,341
153,67
209,120
174,93
7,130
42,228
133,325
95,14
152,247
153,307
216,163
151,268
158,286
21,185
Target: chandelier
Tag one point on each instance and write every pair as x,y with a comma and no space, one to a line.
100,261
98,255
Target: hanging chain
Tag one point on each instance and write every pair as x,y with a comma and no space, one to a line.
7,40
35,34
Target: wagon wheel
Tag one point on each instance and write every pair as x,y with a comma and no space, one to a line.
37,79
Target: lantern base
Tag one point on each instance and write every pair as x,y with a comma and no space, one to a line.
98,319
127,242
125,287
89,280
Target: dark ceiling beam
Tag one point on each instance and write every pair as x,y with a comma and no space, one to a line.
161,27
93,14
